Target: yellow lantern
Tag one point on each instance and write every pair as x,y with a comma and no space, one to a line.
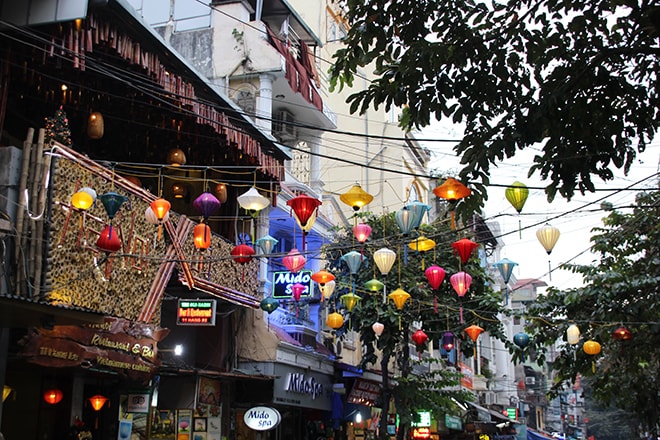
517,195
356,197
399,296
350,300
335,320
548,236
591,347
95,126
82,200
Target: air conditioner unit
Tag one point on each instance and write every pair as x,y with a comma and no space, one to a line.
489,399
530,380
284,125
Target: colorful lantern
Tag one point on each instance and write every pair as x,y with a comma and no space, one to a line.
461,282
242,253
220,191
464,248
176,157
95,126
384,259
448,341
573,334
328,288
98,401
202,236
294,260
521,340
473,332
361,231
322,277
405,219
151,218
356,197
53,396
252,201
418,210
378,328
112,202
353,260
622,334
435,275
108,240
419,338
350,300
160,207
517,194
373,285
452,190
505,267
297,290
303,207
421,244
82,200
548,236
269,305
206,204
591,347
179,190
334,320
399,297
266,244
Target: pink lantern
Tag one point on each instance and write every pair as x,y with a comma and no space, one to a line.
297,291
460,282
435,275
378,328
294,261
362,231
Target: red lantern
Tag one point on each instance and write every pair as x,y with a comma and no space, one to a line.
464,248
108,240
53,396
202,236
361,231
419,337
435,275
297,290
622,334
294,261
303,206
242,253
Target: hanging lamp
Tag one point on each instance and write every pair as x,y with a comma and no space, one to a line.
266,244
82,200
461,282
473,332
252,201
304,208
505,268
334,320
356,197
405,220
112,202
206,204
521,339
353,260
384,259
350,300
622,334
419,338
202,236
294,260
328,289
361,232
399,298
242,253
448,341
53,396
517,194
452,190
548,236
435,276
464,249
418,210
378,328
373,285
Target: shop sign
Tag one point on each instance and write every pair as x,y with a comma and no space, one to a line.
116,344
301,387
421,433
466,376
453,422
364,392
283,281
262,418
423,419
196,312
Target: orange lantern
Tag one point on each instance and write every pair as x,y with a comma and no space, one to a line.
322,277
356,197
95,126
98,401
592,348
473,332
221,192
622,334
452,190
399,296
202,236
53,396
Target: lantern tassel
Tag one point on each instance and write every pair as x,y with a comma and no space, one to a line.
519,229
453,221
461,314
593,367
435,304
160,231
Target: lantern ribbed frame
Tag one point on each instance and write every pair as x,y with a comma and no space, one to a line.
548,236
356,197
384,259
517,194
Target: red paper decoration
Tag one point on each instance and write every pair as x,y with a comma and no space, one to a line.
464,248
294,260
435,275
242,253
108,240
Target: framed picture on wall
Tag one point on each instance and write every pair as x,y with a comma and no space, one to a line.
200,424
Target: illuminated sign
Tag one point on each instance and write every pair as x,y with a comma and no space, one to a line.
196,312
423,419
421,433
283,281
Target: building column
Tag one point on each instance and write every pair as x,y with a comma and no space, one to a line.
315,181
264,108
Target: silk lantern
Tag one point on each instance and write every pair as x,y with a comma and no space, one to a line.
304,208
350,300
448,341
452,190
517,194
206,204
112,202
82,200
327,289
548,236
108,240
473,332
418,210
322,277
361,231
202,236
399,297
378,328
220,191
95,126
160,208
573,334
384,259
53,396
435,276
592,348
294,260
422,244
373,285
356,197
622,334
461,282
405,220
252,201
419,338
176,157
242,253
521,340
464,249
269,305
353,260
505,268
266,244
297,290
334,320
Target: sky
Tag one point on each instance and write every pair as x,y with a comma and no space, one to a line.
582,213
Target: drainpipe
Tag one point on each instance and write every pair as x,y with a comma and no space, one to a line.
265,103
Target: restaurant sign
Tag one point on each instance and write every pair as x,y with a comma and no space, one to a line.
196,312
116,344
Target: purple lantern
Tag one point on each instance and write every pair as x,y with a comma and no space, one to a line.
207,204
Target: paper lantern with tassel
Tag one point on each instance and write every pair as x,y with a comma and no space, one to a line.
464,249
592,348
521,340
361,231
419,338
108,240
334,320
353,260
242,253
356,197
202,236
517,194
328,289
112,202
294,260
473,332
350,300
378,328
448,341
53,396
452,190
266,244
461,282
206,204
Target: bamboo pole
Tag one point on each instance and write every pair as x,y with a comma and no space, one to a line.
40,238
20,213
36,175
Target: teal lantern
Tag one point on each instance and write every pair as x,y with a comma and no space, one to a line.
353,260
505,267
418,210
112,202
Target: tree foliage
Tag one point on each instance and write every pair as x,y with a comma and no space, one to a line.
577,80
435,312
622,288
